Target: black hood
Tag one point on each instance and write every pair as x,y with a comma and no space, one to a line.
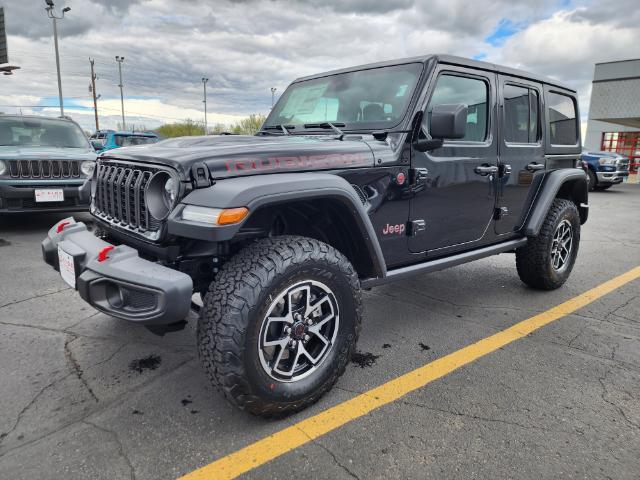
235,155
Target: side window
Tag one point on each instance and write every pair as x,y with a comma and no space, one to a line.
520,114
563,127
472,92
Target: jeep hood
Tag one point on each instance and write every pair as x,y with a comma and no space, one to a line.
45,153
236,155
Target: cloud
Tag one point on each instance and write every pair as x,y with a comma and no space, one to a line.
245,47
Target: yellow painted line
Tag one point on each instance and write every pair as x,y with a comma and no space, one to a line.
307,430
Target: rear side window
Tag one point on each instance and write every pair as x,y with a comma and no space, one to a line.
520,114
563,126
473,92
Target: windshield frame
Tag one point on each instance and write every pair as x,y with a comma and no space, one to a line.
15,121
299,128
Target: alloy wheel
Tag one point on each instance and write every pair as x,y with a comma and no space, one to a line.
561,246
298,331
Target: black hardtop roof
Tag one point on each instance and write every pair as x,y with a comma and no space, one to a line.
451,60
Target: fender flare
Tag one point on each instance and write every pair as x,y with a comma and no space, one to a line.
258,191
554,181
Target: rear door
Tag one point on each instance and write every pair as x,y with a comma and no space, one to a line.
522,161
453,199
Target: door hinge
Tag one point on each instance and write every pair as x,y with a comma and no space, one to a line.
419,175
416,227
504,170
500,212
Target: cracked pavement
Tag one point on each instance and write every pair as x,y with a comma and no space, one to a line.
563,402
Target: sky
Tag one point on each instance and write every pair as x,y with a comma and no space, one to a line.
245,47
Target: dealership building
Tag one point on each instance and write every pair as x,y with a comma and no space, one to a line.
614,113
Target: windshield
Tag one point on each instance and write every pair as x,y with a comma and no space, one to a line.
40,132
365,99
129,140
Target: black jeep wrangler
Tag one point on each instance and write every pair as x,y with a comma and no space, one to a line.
358,177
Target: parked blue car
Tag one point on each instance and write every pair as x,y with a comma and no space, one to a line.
104,140
605,169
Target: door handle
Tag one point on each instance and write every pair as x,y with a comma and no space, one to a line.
485,170
532,167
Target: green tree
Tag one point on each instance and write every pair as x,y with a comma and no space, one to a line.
186,128
249,125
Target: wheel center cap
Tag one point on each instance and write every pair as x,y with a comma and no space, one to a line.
298,330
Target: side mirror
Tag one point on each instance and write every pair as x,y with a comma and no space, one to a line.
445,121
97,145
448,121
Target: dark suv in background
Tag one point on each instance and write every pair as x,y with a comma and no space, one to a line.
44,164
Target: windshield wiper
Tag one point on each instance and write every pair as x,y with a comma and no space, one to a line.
284,128
333,126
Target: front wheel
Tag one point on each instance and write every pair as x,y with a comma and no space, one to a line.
546,261
279,324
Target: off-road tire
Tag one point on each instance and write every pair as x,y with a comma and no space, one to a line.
593,180
534,261
234,308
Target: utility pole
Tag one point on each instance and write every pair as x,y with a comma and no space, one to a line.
92,89
51,14
120,59
204,86
273,95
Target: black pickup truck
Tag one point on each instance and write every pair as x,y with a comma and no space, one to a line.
358,177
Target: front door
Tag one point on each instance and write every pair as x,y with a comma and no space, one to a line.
522,161
455,184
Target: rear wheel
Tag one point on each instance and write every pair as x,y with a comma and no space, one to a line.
546,261
279,324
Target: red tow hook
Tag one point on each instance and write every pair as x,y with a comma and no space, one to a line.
102,254
61,226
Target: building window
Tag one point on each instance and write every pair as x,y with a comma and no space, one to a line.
562,120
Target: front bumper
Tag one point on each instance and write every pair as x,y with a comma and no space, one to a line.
19,195
122,285
612,177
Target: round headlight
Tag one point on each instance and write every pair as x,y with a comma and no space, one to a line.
3,167
161,195
88,167
170,192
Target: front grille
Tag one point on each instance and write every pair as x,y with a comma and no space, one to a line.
44,168
623,165
118,197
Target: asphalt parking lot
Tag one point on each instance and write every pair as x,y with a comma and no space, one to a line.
84,395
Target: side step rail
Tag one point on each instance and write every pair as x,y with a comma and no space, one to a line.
445,262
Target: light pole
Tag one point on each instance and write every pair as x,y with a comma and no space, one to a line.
51,14
204,86
120,59
273,95
92,89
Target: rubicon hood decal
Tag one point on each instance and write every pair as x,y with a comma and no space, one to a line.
298,162
236,155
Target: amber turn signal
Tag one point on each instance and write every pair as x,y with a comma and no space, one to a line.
232,215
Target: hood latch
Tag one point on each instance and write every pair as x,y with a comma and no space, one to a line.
200,177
